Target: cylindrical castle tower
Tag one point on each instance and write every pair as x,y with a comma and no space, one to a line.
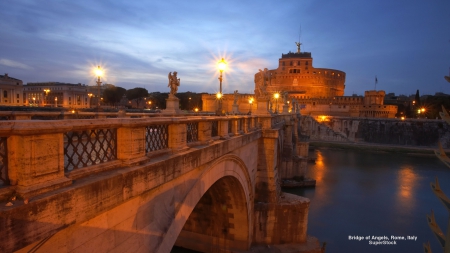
296,75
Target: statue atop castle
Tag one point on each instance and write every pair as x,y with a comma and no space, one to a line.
298,46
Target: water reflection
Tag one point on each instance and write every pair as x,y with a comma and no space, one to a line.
373,193
319,167
407,183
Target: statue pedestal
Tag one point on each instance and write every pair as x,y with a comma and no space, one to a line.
262,106
285,108
172,105
235,109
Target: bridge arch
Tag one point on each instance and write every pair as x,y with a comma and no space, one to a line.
219,202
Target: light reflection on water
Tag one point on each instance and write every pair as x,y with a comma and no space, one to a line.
362,193
407,180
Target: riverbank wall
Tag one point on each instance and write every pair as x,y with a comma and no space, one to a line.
410,133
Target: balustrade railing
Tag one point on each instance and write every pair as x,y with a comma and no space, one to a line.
103,144
156,137
81,116
3,162
89,147
192,132
46,117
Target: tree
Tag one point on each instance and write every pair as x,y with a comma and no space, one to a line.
417,99
137,94
158,99
113,95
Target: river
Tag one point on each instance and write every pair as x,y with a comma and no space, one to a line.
361,193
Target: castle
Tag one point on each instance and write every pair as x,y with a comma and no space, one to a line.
319,92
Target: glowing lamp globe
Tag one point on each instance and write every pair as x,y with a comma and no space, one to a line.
222,65
98,71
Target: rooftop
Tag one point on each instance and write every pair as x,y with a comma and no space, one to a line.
8,77
53,84
296,55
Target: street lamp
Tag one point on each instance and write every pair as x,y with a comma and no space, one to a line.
34,101
222,66
250,101
99,73
56,102
276,96
189,104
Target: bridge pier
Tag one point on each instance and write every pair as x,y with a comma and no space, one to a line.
279,217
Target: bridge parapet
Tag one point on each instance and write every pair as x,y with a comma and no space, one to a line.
39,156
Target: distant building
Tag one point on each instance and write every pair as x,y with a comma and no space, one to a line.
11,91
55,94
318,91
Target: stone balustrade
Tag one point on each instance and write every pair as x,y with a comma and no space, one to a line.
37,156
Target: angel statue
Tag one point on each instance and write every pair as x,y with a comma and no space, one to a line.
285,97
261,85
174,82
236,97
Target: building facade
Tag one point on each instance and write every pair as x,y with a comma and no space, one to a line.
370,105
55,94
11,91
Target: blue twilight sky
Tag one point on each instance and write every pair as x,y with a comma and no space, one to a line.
405,43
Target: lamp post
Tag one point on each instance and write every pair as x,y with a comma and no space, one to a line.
250,101
221,65
56,102
34,101
99,73
276,96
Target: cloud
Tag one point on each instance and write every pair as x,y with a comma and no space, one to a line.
14,64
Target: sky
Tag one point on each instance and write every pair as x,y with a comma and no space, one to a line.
405,44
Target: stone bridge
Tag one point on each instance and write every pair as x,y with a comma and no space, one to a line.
208,183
